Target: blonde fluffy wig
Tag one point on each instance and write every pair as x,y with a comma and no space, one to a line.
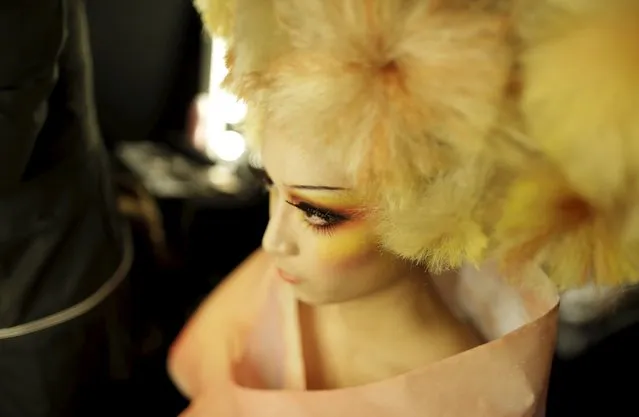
504,128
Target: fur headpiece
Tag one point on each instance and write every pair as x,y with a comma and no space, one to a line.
506,127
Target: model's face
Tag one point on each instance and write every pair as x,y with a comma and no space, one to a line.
319,234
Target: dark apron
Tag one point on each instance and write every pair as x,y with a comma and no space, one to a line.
61,240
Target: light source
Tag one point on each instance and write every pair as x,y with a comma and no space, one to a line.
221,113
229,145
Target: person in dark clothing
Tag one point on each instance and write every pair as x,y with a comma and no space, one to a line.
64,253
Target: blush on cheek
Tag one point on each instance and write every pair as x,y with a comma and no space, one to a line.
348,247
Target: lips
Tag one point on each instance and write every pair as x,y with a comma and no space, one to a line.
291,279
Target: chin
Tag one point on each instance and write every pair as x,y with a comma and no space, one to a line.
318,300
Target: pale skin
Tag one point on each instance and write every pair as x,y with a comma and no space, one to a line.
365,314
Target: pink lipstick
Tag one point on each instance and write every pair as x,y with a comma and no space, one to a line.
287,277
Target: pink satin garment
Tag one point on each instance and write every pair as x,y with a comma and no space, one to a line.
505,377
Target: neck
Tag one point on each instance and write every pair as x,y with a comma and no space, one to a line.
388,332
409,304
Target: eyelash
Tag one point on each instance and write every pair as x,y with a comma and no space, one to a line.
330,219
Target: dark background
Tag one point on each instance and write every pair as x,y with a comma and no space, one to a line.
147,58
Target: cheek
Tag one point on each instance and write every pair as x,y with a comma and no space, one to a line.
348,246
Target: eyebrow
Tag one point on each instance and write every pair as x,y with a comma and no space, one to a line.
263,175
316,187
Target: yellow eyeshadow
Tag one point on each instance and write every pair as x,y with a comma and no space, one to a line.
348,241
330,199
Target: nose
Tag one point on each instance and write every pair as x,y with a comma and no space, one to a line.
279,238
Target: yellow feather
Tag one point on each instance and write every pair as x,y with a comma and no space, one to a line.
580,101
217,16
422,99
573,213
546,221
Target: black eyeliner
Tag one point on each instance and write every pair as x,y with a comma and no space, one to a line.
311,210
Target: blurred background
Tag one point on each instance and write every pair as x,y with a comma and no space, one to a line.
181,171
